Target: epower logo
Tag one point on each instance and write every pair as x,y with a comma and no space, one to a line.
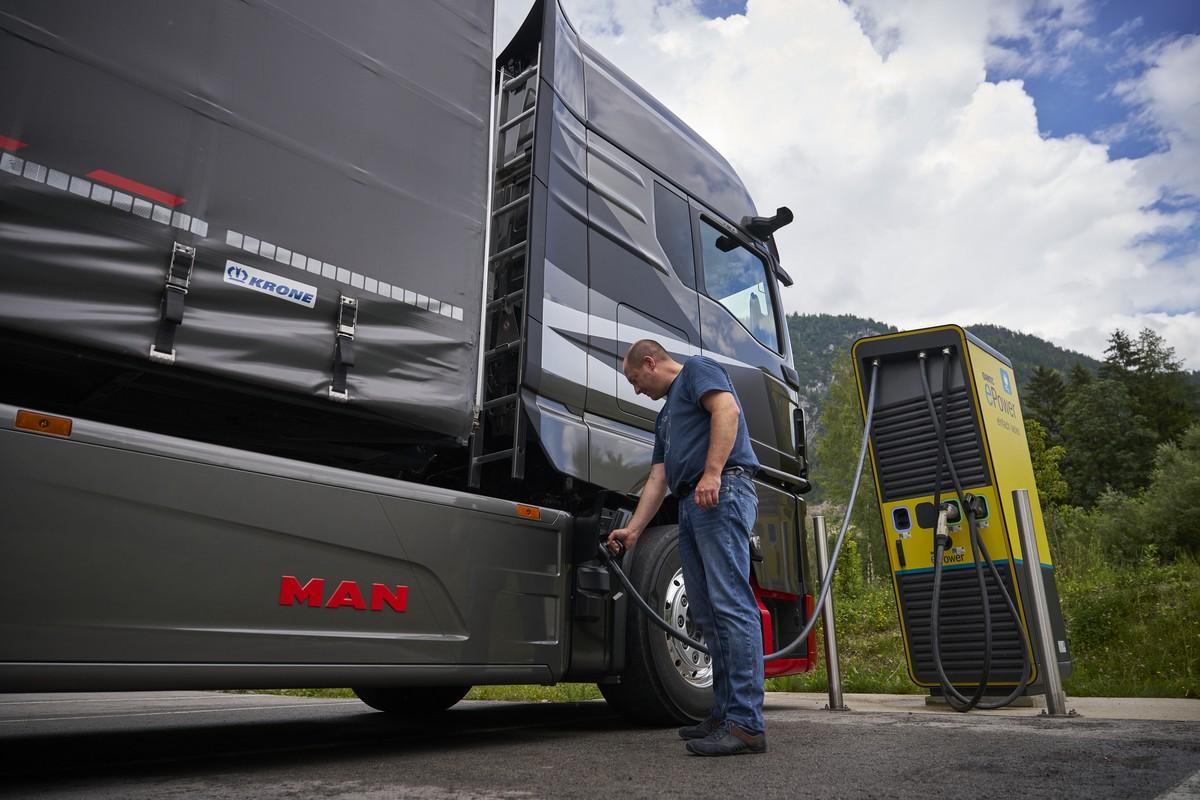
994,398
269,283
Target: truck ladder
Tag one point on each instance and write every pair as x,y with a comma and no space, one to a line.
507,278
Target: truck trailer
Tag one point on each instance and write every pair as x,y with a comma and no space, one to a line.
313,325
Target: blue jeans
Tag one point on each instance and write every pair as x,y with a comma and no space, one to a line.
714,544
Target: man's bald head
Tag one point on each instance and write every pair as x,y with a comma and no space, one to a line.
650,369
646,347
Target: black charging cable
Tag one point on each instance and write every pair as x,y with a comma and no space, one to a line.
826,583
954,698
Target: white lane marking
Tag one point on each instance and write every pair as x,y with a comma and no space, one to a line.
1187,789
126,699
186,711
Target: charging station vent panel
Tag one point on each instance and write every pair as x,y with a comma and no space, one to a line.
961,623
906,446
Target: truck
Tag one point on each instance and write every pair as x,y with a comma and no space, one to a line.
313,326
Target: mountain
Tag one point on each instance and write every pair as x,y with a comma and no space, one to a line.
817,339
1027,351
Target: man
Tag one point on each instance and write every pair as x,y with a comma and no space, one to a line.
702,455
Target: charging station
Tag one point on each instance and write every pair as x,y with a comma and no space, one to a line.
948,449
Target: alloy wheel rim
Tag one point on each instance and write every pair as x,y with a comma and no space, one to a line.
693,666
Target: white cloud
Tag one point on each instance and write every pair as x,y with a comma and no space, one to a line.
1169,98
924,193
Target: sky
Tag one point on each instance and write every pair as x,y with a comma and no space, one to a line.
1028,163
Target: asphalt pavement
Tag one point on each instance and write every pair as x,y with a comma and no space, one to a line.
207,744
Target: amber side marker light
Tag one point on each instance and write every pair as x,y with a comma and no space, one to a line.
529,512
41,423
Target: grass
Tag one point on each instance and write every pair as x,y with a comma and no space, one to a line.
1134,631
559,693
871,653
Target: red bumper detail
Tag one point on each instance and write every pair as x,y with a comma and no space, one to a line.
12,145
805,658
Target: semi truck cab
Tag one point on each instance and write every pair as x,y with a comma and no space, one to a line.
431,408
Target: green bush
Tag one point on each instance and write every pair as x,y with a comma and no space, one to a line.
1165,515
1134,630
869,644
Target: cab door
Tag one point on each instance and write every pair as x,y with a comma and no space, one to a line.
742,328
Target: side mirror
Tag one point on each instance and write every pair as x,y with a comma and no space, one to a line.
763,227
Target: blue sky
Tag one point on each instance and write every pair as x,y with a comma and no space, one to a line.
1079,94
1042,154
722,8
1080,98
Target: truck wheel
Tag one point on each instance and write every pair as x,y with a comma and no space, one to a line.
665,681
412,700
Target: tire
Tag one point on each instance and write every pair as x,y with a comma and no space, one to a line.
412,700
662,683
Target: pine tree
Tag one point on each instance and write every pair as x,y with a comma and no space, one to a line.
1161,390
1080,377
1120,357
1148,369
1107,442
1045,397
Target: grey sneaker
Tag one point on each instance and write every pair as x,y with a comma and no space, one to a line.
700,730
728,740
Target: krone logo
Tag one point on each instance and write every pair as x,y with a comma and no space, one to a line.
278,286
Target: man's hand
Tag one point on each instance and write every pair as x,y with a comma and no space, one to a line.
708,490
624,536
652,496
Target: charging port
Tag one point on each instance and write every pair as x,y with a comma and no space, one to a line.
978,505
954,516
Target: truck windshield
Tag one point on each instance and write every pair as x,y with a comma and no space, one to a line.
737,279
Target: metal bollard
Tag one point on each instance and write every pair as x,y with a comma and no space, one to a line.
832,669
1043,647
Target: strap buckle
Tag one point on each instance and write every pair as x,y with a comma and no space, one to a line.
178,281
343,348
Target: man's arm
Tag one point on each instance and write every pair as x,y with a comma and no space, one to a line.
724,412
648,504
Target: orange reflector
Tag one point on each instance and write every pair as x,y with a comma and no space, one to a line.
40,423
529,512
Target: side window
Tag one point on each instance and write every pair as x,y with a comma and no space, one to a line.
673,228
737,279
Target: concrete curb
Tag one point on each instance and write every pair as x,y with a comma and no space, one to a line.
1148,708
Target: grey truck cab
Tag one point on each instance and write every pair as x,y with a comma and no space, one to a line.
314,325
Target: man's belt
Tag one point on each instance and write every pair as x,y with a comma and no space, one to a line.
687,488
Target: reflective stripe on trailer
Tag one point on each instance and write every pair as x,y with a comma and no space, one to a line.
105,195
97,191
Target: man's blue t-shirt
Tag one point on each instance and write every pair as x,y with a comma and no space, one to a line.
681,432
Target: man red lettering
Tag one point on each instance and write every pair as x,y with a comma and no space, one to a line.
291,592
347,593
381,594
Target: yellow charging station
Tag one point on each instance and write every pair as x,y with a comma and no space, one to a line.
973,393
